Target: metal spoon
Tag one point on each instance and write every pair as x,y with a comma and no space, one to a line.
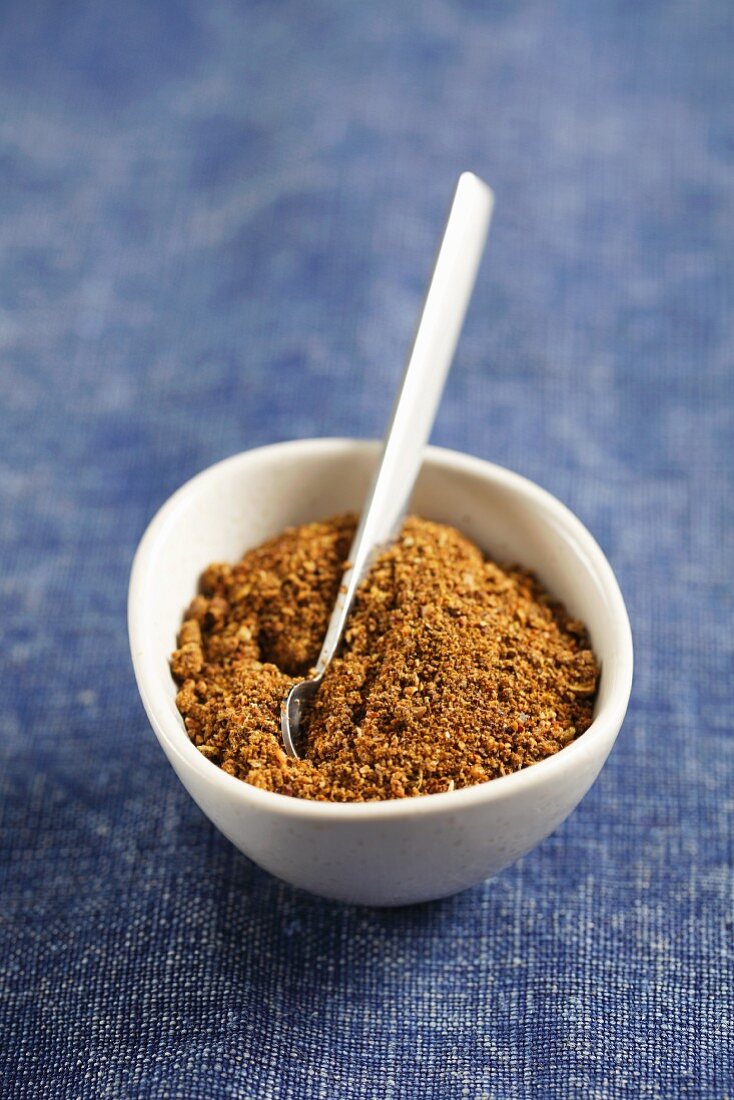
412,418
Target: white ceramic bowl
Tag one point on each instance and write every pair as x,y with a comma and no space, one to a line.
405,850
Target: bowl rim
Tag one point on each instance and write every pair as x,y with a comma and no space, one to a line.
172,735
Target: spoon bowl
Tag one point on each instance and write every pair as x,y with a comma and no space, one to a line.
294,707
403,850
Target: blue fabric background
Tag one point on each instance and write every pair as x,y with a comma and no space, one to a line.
216,221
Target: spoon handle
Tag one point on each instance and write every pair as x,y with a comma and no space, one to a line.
437,334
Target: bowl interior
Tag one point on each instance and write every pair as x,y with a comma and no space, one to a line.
244,500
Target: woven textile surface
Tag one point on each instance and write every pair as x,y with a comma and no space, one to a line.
216,221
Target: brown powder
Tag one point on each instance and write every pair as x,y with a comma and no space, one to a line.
452,671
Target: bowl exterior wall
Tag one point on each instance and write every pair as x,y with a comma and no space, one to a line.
399,861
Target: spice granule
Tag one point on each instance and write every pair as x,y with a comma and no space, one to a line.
453,670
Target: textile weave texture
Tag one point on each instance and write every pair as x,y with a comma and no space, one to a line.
216,221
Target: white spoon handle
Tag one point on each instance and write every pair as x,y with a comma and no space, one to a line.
435,340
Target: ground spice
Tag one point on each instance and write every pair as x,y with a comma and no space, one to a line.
452,671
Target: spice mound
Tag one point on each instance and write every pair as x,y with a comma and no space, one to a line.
452,670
